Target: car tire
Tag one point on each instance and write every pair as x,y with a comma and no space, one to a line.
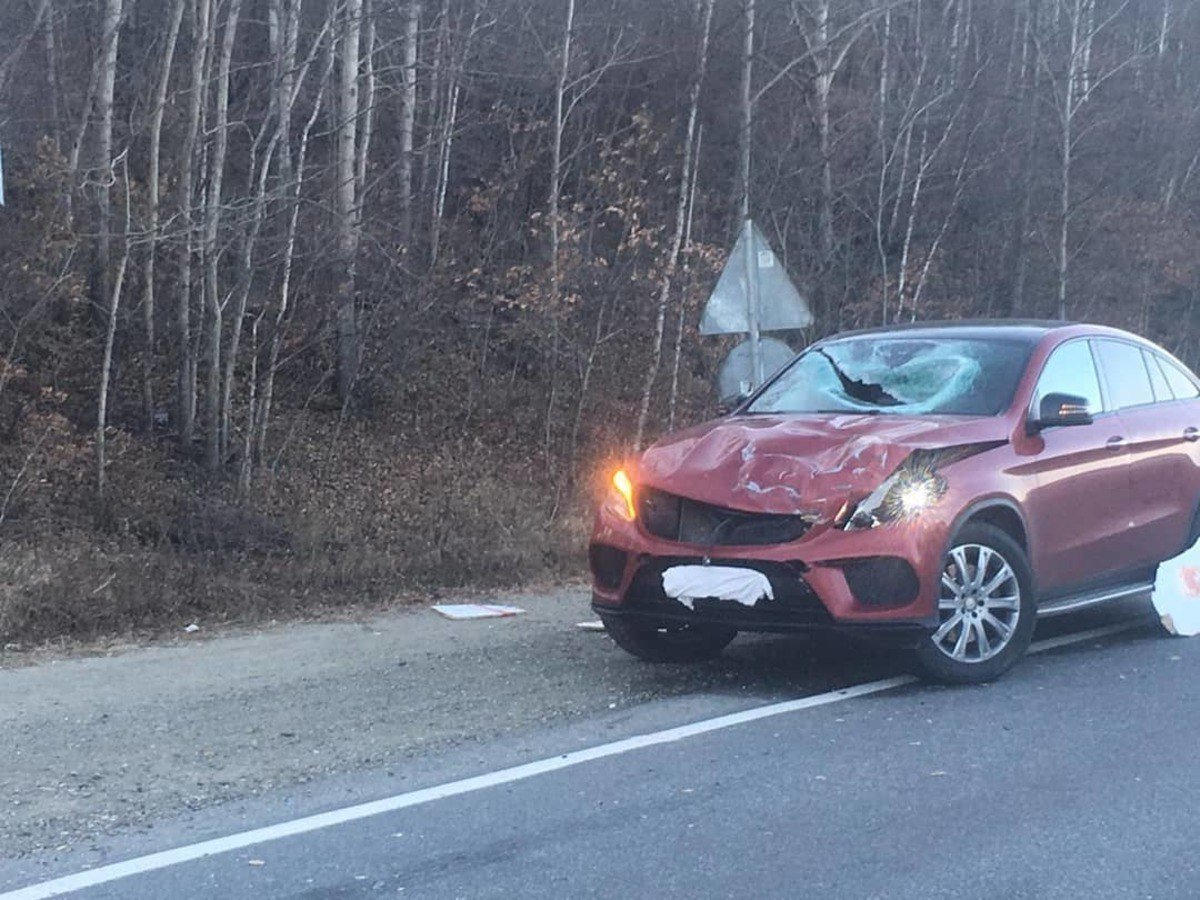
667,643
970,645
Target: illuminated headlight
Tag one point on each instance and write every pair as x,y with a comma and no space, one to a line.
905,495
620,497
915,498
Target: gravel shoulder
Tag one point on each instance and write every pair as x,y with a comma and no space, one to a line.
101,746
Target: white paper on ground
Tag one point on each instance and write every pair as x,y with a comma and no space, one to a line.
1177,593
476,610
687,584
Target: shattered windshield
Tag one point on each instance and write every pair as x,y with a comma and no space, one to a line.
901,375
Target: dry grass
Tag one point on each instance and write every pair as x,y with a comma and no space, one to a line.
348,519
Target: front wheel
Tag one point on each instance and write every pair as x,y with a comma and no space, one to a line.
986,609
681,643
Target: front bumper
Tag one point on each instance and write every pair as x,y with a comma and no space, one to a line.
883,580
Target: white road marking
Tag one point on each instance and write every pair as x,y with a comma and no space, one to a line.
167,858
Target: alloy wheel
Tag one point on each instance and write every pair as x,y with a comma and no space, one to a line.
979,604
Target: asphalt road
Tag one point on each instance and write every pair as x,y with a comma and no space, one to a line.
1075,775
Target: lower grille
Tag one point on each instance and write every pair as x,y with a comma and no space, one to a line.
608,564
675,518
882,581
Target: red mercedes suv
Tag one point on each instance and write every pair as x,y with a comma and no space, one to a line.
941,485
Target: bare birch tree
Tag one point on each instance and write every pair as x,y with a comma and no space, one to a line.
408,115
1071,86
564,68
104,110
681,203
110,332
154,189
346,200
202,38
214,302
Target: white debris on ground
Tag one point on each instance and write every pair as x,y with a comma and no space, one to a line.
458,611
1176,593
192,629
590,626
687,584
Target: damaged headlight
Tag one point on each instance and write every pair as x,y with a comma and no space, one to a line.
913,488
620,498
904,495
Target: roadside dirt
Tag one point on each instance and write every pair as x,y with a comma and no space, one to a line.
94,746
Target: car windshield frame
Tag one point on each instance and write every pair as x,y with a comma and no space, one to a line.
1021,350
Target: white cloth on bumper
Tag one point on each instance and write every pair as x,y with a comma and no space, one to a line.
687,584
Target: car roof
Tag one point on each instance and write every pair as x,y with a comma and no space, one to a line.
1031,330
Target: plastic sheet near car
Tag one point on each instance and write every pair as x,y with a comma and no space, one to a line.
687,584
1177,593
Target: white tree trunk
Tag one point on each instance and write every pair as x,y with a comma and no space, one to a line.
346,200
681,201
745,134
114,305
214,305
154,191
564,66
368,114
408,114
289,247
202,37
104,112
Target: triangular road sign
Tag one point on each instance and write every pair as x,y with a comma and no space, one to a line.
780,305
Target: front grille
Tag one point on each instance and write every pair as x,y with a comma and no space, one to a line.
675,518
795,604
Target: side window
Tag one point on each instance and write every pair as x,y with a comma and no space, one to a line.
1182,386
1126,375
1158,381
1070,370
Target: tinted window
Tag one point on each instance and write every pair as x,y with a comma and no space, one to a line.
1070,370
1125,373
1182,385
890,373
1158,381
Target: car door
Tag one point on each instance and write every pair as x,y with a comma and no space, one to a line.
1161,433
1077,509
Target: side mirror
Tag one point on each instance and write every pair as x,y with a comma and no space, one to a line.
1061,409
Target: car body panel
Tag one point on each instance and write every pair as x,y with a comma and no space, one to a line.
1164,470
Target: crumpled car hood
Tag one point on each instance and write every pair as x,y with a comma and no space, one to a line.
799,463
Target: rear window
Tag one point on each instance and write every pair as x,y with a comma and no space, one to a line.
893,374
1125,373
1182,385
1162,390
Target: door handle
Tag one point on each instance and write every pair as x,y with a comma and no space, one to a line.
1116,442
1191,433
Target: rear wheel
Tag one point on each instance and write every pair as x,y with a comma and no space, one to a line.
673,643
986,609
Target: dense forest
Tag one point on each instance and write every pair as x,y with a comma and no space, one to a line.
308,301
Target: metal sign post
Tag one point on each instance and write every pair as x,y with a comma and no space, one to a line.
754,295
752,301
